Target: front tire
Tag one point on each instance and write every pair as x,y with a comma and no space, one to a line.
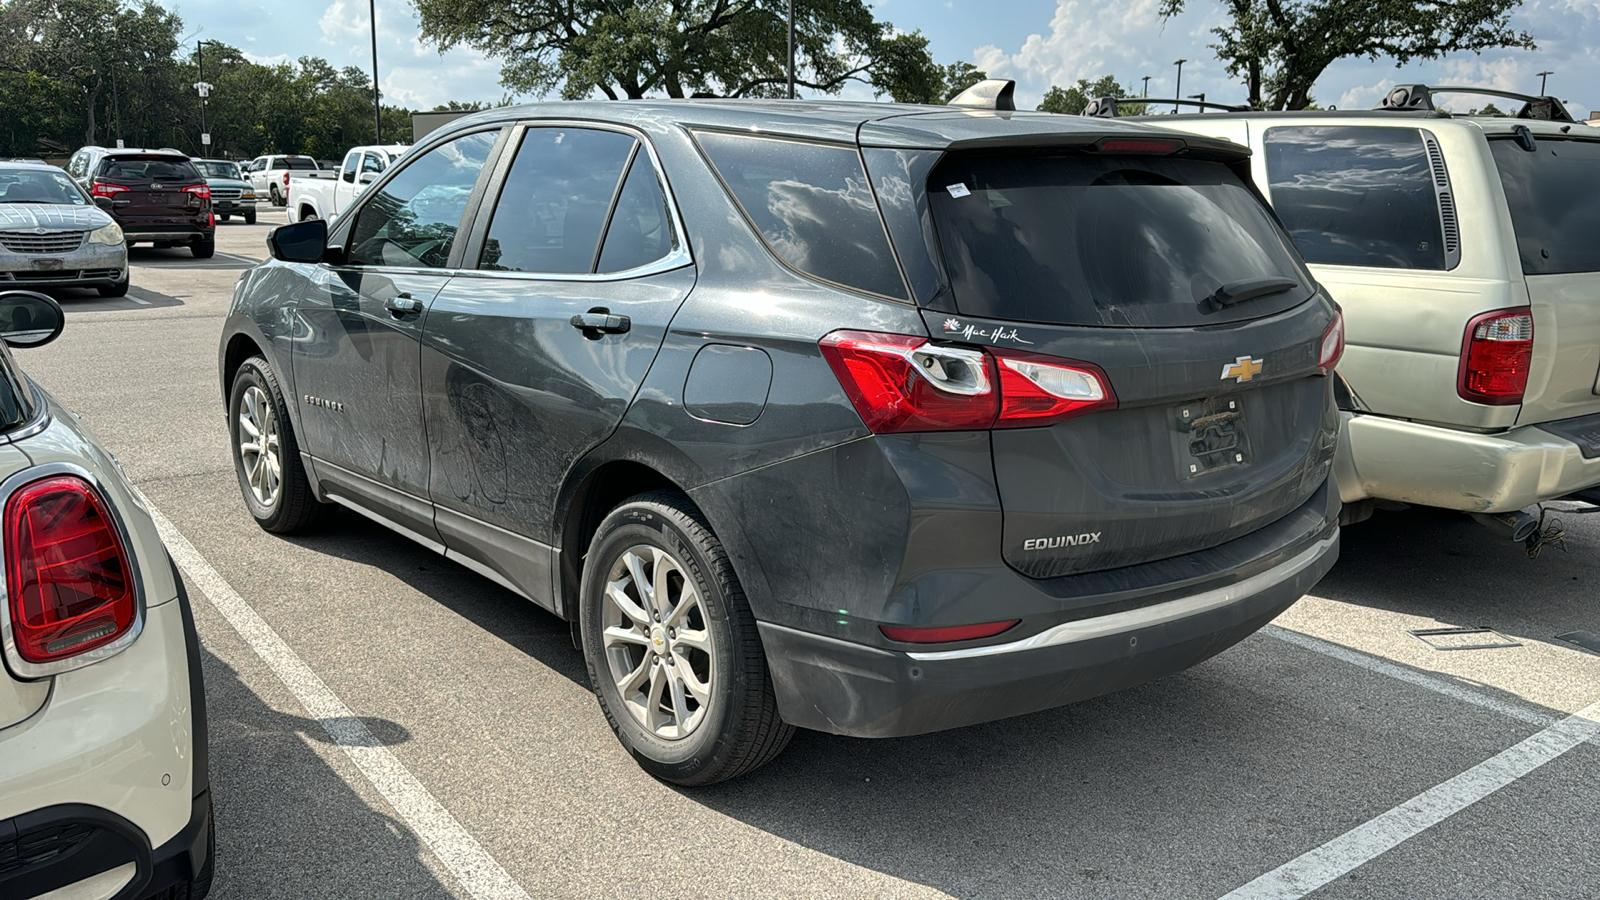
120,289
671,646
266,456
250,217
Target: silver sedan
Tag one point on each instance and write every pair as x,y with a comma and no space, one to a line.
53,236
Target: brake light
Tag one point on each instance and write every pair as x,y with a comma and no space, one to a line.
903,383
945,635
203,191
69,585
1496,352
1041,390
1332,346
1140,145
106,190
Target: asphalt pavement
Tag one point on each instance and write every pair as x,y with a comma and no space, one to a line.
1333,754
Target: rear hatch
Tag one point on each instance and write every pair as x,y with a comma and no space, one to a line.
1553,194
155,189
1169,274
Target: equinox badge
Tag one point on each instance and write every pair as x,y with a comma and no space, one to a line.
1242,369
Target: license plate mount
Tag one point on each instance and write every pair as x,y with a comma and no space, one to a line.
1208,435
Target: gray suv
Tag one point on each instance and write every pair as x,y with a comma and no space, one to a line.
864,418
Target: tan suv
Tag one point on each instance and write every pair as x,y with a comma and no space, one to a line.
1464,253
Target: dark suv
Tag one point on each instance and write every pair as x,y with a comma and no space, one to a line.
157,196
865,418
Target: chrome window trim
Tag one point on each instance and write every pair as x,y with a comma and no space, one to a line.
29,671
1145,617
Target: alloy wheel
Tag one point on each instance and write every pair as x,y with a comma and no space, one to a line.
260,447
658,648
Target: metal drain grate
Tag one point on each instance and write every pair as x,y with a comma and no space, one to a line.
1583,640
1479,638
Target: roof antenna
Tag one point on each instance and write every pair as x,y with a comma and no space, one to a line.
995,93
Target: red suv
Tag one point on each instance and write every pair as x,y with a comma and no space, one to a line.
158,197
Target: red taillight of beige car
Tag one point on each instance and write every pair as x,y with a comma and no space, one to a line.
1496,352
901,383
69,585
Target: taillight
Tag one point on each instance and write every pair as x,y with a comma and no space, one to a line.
69,584
1041,390
1332,346
1495,354
203,191
1158,146
106,190
944,635
903,383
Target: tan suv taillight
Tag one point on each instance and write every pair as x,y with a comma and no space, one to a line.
1495,354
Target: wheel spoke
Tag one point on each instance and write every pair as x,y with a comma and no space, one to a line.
619,597
629,684
640,583
699,690
616,635
680,712
652,699
694,640
686,602
248,426
661,567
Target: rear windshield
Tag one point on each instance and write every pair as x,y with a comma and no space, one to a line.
218,169
296,162
148,168
1554,195
1079,240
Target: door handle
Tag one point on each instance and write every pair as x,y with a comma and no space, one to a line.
600,321
402,305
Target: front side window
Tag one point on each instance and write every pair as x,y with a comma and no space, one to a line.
552,211
351,163
413,221
1555,202
373,162
812,205
1357,195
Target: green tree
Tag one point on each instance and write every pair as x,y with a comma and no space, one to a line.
1489,109
1281,47
1071,101
639,48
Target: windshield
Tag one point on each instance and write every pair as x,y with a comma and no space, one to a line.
218,169
1092,240
1555,203
148,168
39,186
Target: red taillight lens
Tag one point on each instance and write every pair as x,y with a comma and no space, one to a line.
945,635
902,383
1332,346
106,190
203,191
1140,145
68,581
1495,354
1041,390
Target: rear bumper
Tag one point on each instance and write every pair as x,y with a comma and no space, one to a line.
96,853
175,234
1428,465
831,685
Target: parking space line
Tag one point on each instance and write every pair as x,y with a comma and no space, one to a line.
1311,870
474,869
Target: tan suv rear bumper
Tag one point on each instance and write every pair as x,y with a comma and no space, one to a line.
1427,465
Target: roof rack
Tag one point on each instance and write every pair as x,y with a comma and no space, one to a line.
1420,97
1106,107
995,93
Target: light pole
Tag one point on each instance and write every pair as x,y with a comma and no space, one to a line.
1542,77
203,88
791,49
1146,86
1201,97
1179,91
377,111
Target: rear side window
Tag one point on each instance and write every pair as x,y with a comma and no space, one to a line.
301,163
812,205
1554,197
1091,240
148,168
640,231
1357,195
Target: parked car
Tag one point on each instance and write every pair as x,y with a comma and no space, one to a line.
1463,251
104,789
157,196
324,194
231,194
1064,427
270,174
52,235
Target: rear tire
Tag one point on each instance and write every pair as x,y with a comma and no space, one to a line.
271,476
222,218
204,249
687,641
277,198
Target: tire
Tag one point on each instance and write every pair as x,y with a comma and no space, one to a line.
222,218
204,249
736,729
200,887
307,214
250,217
120,289
292,507
277,198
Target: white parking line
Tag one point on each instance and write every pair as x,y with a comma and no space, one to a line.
477,872
1365,842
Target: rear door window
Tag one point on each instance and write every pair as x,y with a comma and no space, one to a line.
1554,196
812,205
413,221
1073,239
552,210
1357,195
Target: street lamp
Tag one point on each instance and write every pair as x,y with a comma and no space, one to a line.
1542,77
1179,91
203,88
1146,86
377,111
1201,97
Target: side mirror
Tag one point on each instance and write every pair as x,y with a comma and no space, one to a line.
30,319
301,242
368,177
104,203
348,176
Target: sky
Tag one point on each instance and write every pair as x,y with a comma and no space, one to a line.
1036,42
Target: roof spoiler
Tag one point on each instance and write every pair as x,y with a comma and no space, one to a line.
995,93
1106,107
1420,97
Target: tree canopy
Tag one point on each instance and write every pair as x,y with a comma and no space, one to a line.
1280,47
1071,101
679,48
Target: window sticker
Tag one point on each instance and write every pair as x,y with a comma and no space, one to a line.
958,190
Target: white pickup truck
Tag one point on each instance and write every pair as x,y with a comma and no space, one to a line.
269,174
325,194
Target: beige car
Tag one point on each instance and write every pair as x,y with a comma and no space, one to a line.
1463,251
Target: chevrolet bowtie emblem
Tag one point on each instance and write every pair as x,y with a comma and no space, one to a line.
1242,369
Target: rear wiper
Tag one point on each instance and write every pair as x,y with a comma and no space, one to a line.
1248,289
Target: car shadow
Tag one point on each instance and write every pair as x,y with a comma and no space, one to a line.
87,300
